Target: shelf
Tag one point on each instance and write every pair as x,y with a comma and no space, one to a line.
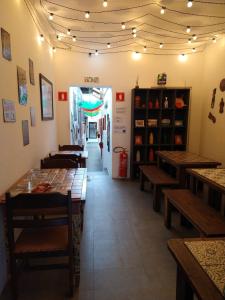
140,108
169,108
139,145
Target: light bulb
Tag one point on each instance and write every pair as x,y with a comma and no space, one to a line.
105,3
123,26
53,49
188,30
194,36
189,41
58,37
51,16
193,50
136,55
134,35
214,40
145,48
189,3
74,38
96,52
161,45
87,14
134,30
163,10
182,57
68,31
109,45
42,38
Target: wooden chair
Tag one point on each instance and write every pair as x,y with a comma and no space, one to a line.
50,163
76,158
71,148
48,236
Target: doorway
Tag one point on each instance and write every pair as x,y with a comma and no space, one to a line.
92,130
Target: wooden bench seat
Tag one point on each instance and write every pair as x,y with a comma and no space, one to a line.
158,179
204,218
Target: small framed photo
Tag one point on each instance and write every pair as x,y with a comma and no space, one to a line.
6,45
139,123
22,86
46,93
31,71
32,117
9,112
25,132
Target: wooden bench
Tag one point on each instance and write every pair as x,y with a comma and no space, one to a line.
204,218
158,179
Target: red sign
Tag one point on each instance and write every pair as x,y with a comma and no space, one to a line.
62,96
120,96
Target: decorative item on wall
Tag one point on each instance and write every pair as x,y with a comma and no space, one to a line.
212,117
31,71
221,106
213,98
32,117
46,92
9,112
222,85
25,131
6,45
22,86
161,79
108,132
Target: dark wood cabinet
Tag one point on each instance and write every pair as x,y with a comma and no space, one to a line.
159,122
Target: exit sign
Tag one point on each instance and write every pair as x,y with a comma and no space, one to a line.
62,96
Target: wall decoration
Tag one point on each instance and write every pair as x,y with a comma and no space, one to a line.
108,132
213,98
212,117
120,96
104,122
25,131
32,117
62,96
222,85
22,86
31,71
161,79
46,92
6,45
221,106
9,112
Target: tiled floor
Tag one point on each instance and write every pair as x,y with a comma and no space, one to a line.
124,252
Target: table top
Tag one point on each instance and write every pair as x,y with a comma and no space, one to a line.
186,159
84,154
203,262
60,180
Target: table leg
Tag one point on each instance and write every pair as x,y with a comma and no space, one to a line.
156,198
167,213
183,289
142,181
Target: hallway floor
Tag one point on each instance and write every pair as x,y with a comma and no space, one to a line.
123,252
94,162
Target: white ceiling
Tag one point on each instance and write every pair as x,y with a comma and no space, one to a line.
104,25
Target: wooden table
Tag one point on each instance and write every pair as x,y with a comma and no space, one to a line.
199,276
182,160
61,180
70,154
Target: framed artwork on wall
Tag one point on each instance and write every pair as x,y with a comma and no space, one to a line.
31,71
25,132
46,93
9,112
32,117
6,45
108,132
22,86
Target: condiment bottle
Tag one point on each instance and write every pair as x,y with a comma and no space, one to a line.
138,156
151,138
157,103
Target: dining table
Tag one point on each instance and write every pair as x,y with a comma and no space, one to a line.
70,154
200,268
181,160
57,180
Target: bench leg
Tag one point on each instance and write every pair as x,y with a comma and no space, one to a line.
156,198
142,181
167,213
183,290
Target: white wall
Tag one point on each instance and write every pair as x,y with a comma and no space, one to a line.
212,135
15,159
120,72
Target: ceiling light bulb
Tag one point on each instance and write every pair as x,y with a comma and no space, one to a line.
182,57
189,41
145,48
87,14
134,30
74,38
193,50
96,52
163,10
188,30
51,16
189,3
68,31
194,36
161,45
105,3
214,40
134,35
58,37
123,26
109,45
42,38
53,49
136,55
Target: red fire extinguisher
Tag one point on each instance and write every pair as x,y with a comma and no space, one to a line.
123,160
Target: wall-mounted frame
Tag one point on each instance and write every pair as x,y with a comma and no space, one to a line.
46,94
31,71
6,45
22,86
9,112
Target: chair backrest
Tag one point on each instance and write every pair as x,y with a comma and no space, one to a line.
25,210
71,148
51,163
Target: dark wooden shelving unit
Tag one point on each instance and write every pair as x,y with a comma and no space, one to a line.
165,136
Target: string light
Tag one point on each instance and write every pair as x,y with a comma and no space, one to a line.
96,52
58,37
134,35
108,45
105,3
68,31
123,25
163,10
87,15
189,41
182,57
145,48
189,3
136,55
161,45
51,16
188,30
134,30
193,50
74,38
194,36
53,49
214,40
42,38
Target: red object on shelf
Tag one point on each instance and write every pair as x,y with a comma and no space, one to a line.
123,164
62,96
150,104
157,103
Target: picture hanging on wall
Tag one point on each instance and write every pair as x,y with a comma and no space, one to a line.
25,132
46,92
213,98
108,132
9,112
22,86
6,45
222,85
32,117
31,71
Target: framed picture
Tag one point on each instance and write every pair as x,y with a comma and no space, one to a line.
46,92
9,112
31,71
139,123
32,117
22,86
25,132
6,45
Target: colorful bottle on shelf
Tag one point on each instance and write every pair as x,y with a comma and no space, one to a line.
157,103
151,154
166,103
150,104
151,138
138,156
